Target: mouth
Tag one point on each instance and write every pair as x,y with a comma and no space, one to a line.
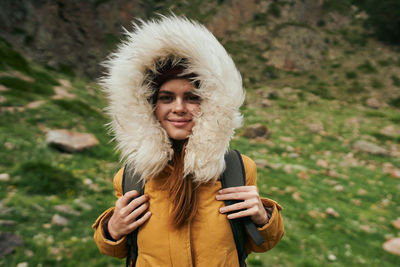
179,122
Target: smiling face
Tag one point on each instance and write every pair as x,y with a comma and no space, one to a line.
176,105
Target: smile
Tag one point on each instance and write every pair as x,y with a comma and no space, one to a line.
179,123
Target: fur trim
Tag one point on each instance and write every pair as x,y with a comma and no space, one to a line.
142,141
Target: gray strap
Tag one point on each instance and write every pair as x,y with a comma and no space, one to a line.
235,175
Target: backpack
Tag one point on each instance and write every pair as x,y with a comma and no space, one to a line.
234,175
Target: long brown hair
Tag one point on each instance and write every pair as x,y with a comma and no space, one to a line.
182,190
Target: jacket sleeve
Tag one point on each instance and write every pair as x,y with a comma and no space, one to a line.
273,231
108,247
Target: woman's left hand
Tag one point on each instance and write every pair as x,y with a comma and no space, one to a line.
250,206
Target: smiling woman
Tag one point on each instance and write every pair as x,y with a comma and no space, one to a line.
174,96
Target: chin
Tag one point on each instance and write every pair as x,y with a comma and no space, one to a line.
178,135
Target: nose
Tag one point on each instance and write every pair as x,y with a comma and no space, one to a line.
179,106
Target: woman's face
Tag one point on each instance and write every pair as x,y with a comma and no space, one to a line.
176,105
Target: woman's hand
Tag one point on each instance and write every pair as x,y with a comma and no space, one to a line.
125,217
250,206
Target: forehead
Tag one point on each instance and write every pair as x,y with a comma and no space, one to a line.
177,85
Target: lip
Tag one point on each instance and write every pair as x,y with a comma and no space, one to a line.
179,122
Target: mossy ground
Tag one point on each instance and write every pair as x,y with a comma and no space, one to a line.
367,202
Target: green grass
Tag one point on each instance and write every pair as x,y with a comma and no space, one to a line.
43,177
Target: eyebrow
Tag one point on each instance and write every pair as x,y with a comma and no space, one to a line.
172,93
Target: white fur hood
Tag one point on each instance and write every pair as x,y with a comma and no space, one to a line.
142,141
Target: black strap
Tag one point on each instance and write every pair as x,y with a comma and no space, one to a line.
235,175
131,181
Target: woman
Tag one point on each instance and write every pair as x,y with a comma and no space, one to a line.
174,98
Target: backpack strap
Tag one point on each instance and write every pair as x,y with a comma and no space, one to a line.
131,181
235,175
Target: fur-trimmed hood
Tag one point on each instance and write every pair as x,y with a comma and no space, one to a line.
142,141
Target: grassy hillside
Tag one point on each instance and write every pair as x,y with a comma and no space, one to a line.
339,203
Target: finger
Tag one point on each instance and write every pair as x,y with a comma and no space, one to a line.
237,196
140,221
241,214
136,203
239,206
137,212
245,188
124,200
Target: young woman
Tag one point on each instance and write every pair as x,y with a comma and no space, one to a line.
174,98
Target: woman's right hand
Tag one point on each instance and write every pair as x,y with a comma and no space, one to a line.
125,217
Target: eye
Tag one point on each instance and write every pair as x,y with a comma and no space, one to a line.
165,98
192,98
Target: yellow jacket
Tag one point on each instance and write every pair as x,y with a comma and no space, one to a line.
206,241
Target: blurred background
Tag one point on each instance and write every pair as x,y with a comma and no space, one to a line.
322,122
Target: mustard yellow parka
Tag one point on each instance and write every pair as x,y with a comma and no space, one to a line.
205,242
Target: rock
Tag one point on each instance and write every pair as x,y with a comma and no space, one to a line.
373,103
369,147
35,104
332,212
356,202
261,163
316,127
297,196
331,257
395,173
22,264
322,163
8,243
316,214
61,93
66,209
396,223
266,103
3,88
362,192
257,130
390,131
4,177
59,220
303,175
82,204
392,246
65,83
286,139
70,141
9,146
338,188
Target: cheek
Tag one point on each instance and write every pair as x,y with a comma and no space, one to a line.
194,109
159,112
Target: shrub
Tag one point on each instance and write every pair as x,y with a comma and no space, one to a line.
376,84
10,58
38,177
367,67
351,75
78,107
355,88
24,86
396,80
